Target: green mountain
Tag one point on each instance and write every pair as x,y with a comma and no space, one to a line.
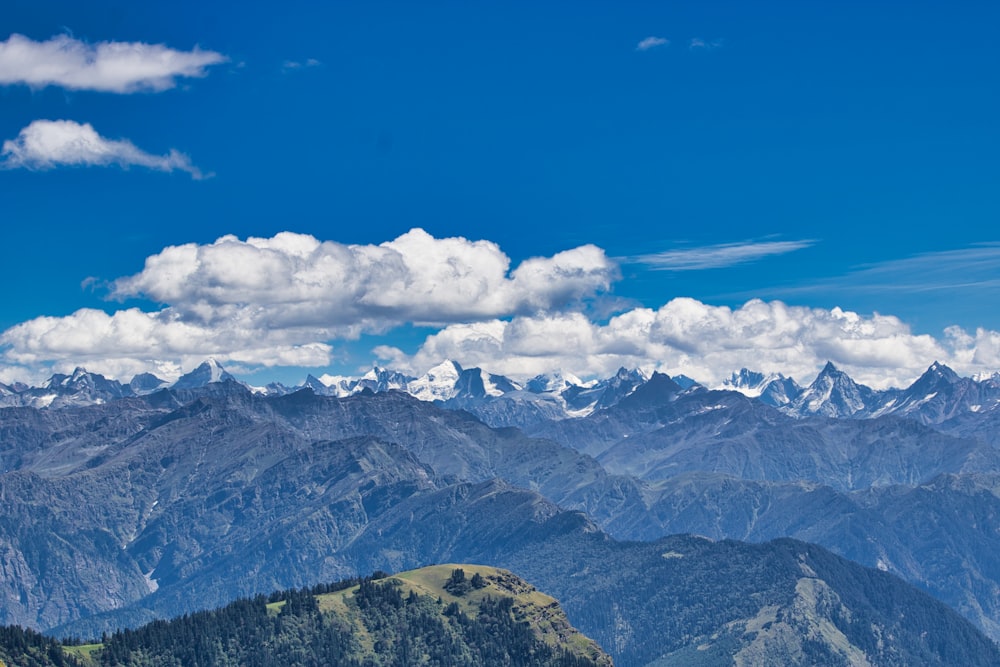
442,615
688,600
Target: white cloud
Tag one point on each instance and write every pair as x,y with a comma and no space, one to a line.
651,43
973,268
131,341
718,256
297,280
708,343
119,67
279,301
699,43
46,144
289,65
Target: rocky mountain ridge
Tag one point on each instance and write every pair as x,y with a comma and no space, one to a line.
179,491
935,397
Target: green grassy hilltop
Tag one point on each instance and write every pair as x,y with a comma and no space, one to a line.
441,615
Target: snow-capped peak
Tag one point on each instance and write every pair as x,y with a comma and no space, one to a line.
332,385
749,383
940,370
207,372
556,382
437,384
834,394
773,389
498,385
986,376
216,369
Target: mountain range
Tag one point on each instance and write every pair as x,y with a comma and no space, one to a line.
125,503
937,396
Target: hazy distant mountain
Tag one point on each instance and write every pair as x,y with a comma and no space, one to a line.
682,600
62,391
834,394
661,431
773,389
208,372
188,489
938,396
146,383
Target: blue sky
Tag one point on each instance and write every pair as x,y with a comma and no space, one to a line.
826,158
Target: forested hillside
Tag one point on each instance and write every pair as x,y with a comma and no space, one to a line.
454,615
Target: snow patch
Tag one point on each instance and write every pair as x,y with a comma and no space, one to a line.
437,384
44,401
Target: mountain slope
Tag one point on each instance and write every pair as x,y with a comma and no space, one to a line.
941,536
455,615
415,617
659,432
147,506
723,603
664,602
648,601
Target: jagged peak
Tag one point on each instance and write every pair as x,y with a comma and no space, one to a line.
940,370
746,375
206,372
832,374
630,373
144,383
438,383
831,369
447,366
555,382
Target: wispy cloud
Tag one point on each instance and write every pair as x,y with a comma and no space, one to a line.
118,67
291,65
46,144
717,256
651,43
973,268
976,266
708,44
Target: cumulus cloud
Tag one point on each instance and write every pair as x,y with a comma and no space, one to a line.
118,67
46,144
708,343
719,255
288,299
279,301
651,42
297,280
131,341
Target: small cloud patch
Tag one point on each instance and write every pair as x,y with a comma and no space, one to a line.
651,42
117,67
46,144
